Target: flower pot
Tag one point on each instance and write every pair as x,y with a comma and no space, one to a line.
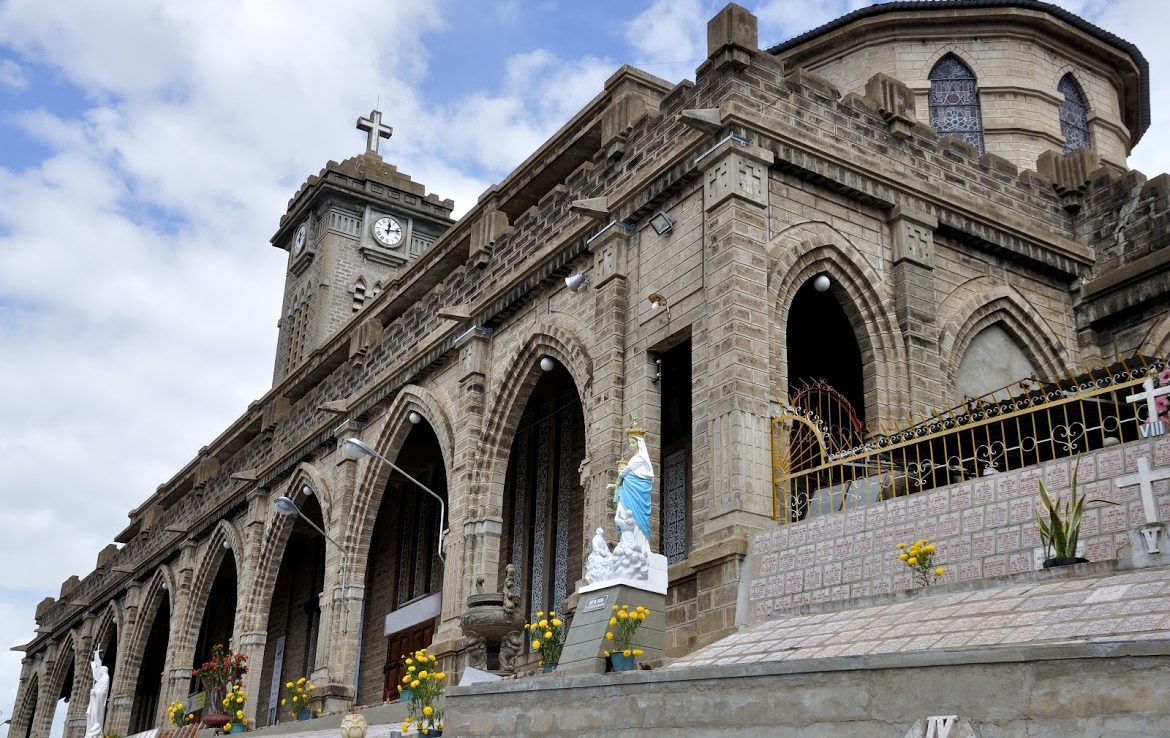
237,728
550,668
406,695
618,662
304,714
1064,561
215,722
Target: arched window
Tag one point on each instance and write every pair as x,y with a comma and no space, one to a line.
1074,115
954,101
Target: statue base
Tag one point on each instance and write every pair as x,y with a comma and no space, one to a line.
585,641
656,582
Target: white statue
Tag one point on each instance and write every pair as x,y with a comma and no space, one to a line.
95,711
630,559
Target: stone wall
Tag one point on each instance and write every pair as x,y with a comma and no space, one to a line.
982,528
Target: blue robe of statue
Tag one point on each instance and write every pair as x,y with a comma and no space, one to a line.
633,488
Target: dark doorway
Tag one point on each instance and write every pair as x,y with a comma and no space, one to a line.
219,615
150,673
675,459
822,348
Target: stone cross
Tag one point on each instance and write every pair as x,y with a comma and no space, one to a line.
1144,479
1148,395
374,130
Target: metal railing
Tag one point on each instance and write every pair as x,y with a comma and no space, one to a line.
817,469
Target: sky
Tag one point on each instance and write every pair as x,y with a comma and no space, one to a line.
148,149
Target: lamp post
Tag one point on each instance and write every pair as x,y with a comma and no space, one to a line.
360,448
286,507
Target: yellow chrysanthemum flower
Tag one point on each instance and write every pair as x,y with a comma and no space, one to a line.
613,621
543,623
414,684
556,622
548,635
239,714
283,702
422,675
609,635
627,652
912,561
227,727
428,711
288,685
441,675
637,652
536,645
940,571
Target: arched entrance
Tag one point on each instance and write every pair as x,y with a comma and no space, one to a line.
219,616
294,615
544,503
66,662
404,573
823,352
27,711
148,687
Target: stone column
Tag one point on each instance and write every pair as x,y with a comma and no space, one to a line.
182,632
82,679
916,305
472,546
739,497
22,717
42,720
605,438
248,638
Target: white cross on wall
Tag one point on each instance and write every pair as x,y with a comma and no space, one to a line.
1148,396
1145,478
374,130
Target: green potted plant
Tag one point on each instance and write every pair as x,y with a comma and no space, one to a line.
1059,525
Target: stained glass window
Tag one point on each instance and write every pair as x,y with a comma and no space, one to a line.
954,101
1074,115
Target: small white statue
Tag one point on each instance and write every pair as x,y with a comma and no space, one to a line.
597,566
95,711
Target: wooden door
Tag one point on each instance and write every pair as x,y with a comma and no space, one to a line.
401,644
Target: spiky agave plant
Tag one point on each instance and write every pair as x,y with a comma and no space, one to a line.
1060,527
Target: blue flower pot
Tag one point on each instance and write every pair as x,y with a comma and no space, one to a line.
304,714
406,695
618,662
550,668
237,728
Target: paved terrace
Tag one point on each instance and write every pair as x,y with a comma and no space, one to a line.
1090,603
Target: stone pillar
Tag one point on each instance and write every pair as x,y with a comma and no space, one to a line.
248,638
82,679
23,713
122,685
472,546
739,496
42,720
605,438
916,306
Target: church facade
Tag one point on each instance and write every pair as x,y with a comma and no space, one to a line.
907,208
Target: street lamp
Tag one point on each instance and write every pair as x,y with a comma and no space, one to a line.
286,507
357,447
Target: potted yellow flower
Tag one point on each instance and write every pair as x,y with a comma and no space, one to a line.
919,556
297,696
623,626
233,705
425,682
548,638
178,716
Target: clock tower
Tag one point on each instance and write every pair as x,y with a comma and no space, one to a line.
349,232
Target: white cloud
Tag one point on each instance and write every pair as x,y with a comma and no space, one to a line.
669,38
12,76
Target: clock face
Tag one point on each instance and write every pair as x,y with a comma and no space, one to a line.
300,238
387,231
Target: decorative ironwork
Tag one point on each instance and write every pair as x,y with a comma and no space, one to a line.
674,506
519,502
561,537
1074,115
540,515
817,472
954,101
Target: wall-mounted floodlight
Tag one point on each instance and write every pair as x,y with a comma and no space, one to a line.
661,223
575,281
657,300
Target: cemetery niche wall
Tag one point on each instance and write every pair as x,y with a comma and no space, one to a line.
867,233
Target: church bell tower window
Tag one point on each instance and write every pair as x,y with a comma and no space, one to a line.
954,101
1074,115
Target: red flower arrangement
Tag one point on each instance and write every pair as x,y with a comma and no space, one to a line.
223,668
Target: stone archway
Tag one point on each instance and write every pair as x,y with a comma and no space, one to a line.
404,571
146,705
25,715
293,617
543,521
54,703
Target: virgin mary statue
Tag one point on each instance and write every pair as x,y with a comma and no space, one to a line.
635,478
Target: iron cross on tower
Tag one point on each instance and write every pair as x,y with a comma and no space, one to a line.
374,130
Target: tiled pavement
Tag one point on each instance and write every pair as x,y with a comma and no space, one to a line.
1108,606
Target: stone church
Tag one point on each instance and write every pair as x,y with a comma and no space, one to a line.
912,206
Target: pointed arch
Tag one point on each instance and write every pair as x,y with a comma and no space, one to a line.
205,572
954,100
155,591
64,663
983,303
515,383
106,624
276,533
802,252
373,475
1074,114
25,715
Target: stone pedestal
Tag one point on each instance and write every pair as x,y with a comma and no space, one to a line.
586,639
1149,545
